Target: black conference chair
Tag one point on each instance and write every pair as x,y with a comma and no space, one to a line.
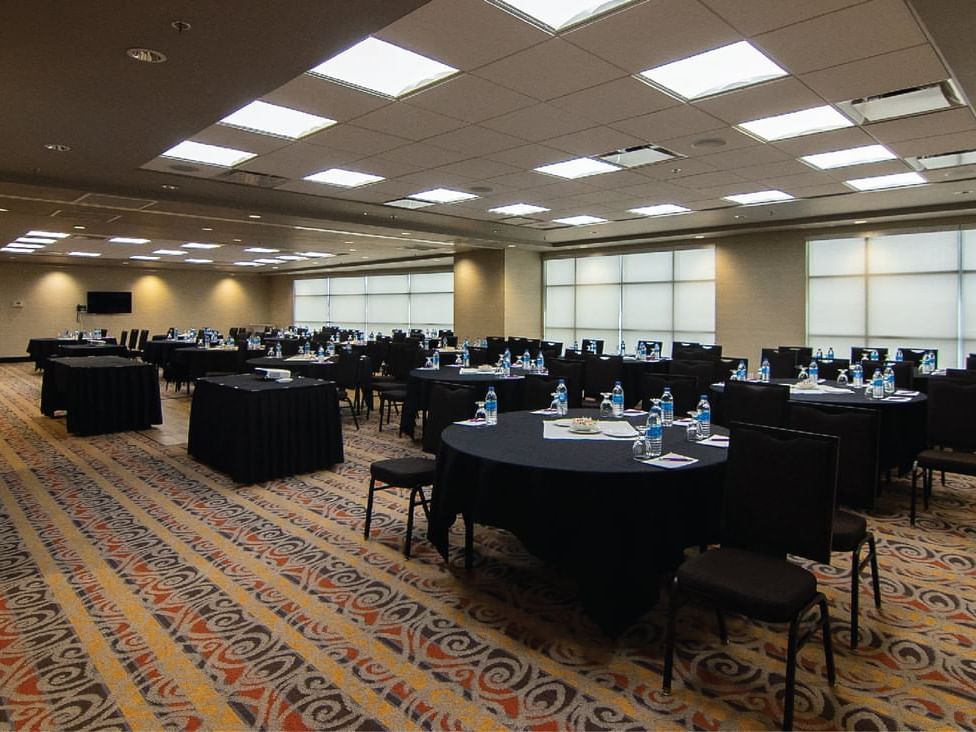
592,345
711,352
765,518
123,338
496,347
763,404
857,478
133,340
951,438
684,389
726,365
685,350
347,379
703,371
858,352
571,372
829,370
971,362
804,354
782,364
600,373
551,349
537,391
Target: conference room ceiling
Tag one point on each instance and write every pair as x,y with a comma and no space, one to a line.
522,97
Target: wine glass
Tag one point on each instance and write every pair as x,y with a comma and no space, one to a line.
804,375
694,429
606,406
554,406
842,377
480,415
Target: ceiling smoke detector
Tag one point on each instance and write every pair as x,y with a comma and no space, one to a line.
146,55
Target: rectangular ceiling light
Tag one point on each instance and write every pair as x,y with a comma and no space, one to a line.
21,245
84,254
262,250
747,199
49,234
442,195
127,240
383,68
557,15
851,156
942,160
292,258
661,209
344,178
247,264
713,72
578,168
193,260
634,157
269,261
16,250
171,252
902,103
144,258
198,152
518,209
580,220
880,182
200,245
270,119
317,254
35,240
408,203
795,124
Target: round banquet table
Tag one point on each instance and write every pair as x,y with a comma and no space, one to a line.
614,524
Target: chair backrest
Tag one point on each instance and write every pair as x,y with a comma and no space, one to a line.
971,362
123,338
915,355
780,488
446,405
133,339
378,351
518,346
364,375
404,357
571,371
859,432
347,370
726,365
551,349
963,375
143,337
592,345
763,404
904,373
703,371
951,407
684,389
600,373
496,347
830,369
399,336
649,345
682,349
782,364
804,354
450,340
858,351
710,352
537,391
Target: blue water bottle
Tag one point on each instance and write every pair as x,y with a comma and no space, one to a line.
617,399
491,406
705,417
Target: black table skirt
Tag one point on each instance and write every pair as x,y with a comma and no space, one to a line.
91,349
613,524
197,362
41,349
101,394
159,353
312,369
256,430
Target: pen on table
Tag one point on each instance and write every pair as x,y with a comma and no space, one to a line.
675,459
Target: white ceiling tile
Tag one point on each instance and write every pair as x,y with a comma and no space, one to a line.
380,165
560,189
594,141
615,100
679,28
864,30
476,141
699,145
764,100
428,179
758,16
654,192
824,142
195,170
669,123
757,154
470,98
674,170
799,180
403,120
462,33
935,144
773,170
317,189
620,178
529,156
831,189
356,139
517,180
315,95
713,180
551,69
298,160
539,122
424,155
886,167
923,125
888,72
478,168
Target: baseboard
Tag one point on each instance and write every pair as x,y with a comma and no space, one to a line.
14,359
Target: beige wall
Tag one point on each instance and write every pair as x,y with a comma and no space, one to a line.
159,300
523,293
479,293
281,310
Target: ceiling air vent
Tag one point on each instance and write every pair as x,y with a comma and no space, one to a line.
903,102
247,178
103,201
633,157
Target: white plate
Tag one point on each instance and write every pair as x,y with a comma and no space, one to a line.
587,430
562,422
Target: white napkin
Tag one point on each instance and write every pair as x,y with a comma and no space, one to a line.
634,412
472,422
683,422
906,392
670,461
897,399
546,411
715,441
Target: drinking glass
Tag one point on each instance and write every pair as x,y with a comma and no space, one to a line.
842,377
554,407
480,415
693,431
606,406
641,449
804,376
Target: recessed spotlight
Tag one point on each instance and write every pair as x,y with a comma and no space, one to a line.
517,209
146,55
261,250
237,240
442,195
79,228
57,147
364,257
144,258
713,72
206,228
661,209
879,182
850,156
84,254
4,210
127,240
580,220
254,216
51,234
757,197
272,119
169,187
351,249
578,168
795,124
861,221
699,236
383,68
511,246
198,152
344,178
200,245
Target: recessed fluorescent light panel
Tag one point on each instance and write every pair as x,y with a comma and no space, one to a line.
408,203
580,220
317,254
171,252
442,195
16,250
192,260
578,168
48,234
903,102
747,199
518,209
35,240
557,15
84,254
634,157
127,240
662,209
880,182
795,124
200,245
383,68
247,264
269,261
713,72
198,152
261,250
942,160
851,156
270,119
20,245
292,258
344,178
144,258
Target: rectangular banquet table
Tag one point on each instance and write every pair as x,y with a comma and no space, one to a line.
255,430
101,393
41,349
92,349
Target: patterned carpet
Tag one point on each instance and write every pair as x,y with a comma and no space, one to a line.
141,590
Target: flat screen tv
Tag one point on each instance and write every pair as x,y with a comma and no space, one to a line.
109,302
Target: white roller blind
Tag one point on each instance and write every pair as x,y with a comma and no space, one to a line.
387,308
694,264
694,306
648,267
913,306
311,287
347,285
647,307
598,307
969,307
597,270
387,283
432,282
559,307
560,271
923,252
836,257
348,310
311,309
431,309
835,306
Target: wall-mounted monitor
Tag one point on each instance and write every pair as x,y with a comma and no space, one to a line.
109,302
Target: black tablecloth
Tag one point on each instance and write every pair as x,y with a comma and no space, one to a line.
289,345
196,362
609,521
101,394
91,349
159,353
255,430
312,369
41,349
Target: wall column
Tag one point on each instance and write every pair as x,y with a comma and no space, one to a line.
498,292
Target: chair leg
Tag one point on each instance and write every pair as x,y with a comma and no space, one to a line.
369,506
875,579
381,414
468,544
723,632
412,505
828,643
927,476
790,674
352,411
674,601
855,593
911,516
943,477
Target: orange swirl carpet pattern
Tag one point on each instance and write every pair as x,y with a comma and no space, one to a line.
142,590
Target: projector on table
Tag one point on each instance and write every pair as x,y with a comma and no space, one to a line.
274,374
